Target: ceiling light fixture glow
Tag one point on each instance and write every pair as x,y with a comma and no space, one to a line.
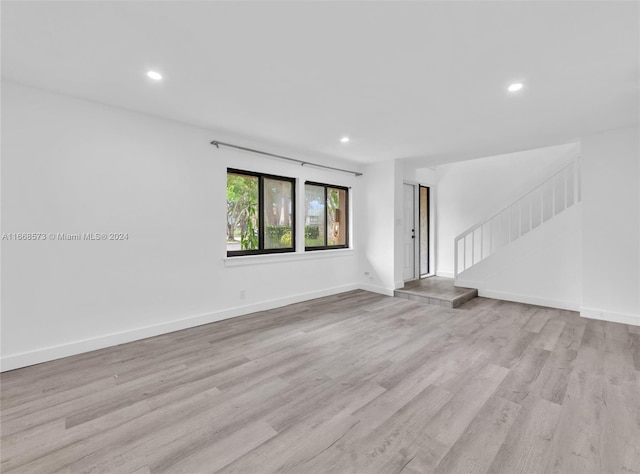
344,140
516,86
156,76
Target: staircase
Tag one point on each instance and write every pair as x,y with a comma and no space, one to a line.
554,195
559,192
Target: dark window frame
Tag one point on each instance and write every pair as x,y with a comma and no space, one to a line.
346,217
261,227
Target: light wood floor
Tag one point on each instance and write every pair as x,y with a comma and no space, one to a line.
351,383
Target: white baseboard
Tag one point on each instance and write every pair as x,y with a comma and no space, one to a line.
518,297
445,274
15,361
528,299
376,289
23,359
624,318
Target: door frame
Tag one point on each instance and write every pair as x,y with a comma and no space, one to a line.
430,229
416,256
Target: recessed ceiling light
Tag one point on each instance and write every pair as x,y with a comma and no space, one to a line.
516,86
156,76
344,140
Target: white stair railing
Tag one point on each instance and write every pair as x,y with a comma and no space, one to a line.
555,194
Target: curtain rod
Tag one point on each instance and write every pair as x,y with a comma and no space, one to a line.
217,144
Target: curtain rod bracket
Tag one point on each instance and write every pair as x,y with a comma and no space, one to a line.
217,144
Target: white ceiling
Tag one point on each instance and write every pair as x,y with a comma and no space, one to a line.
419,80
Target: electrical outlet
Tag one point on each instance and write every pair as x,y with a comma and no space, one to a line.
243,294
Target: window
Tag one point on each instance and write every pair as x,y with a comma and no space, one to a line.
260,213
326,216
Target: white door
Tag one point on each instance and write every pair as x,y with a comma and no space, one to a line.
409,233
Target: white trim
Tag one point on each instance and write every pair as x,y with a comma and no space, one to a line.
518,297
376,289
602,315
432,227
23,359
286,257
416,233
445,274
527,299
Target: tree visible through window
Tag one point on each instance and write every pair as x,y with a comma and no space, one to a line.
242,202
260,213
326,219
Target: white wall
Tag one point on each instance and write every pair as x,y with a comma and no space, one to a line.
471,191
398,230
74,166
611,232
426,176
378,217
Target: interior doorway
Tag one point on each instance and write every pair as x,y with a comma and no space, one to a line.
409,232
417,244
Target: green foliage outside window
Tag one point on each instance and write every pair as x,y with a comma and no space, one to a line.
242,202
249,237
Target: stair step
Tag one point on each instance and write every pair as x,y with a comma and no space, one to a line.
438,291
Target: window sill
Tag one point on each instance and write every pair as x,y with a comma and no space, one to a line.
286,257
